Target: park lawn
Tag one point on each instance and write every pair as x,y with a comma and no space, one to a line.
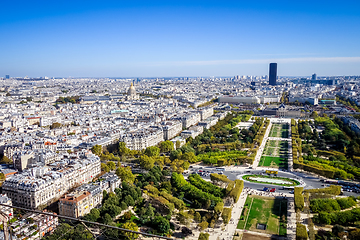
275,130
245,212
279,130
275,162
273,143
267,211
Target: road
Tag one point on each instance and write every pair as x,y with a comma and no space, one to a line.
311,181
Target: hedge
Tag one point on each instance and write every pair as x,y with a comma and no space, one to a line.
191,192
299,198
179,204
315,169
226,215
219,177
332,190
205,186
301,233
236,191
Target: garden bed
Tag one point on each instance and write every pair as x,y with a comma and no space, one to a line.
271,180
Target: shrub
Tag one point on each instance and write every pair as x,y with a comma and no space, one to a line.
192,193
219,177
226,215
299,198
301,233
236,191
204,236
205,186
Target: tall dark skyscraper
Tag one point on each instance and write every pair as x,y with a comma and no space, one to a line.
313,77
7,76
272,74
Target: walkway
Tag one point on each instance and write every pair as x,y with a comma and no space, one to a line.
262,147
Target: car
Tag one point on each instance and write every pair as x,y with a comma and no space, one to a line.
292,192
220,172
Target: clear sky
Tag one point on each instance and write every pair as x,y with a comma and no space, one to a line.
178,38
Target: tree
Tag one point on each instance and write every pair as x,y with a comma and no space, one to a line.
152,151
123,205
219,207
208,204
226,215
166,146
203,236
123,150
203,225
147,162
129,200
107,219
95,212
189,156
105,167
212,223
97,150
197,217
178,144
55,125
125,174
111,165
5,160
161,224
130,226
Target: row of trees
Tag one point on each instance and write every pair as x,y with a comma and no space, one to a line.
192,193
299,198
223,158
249,135
205,186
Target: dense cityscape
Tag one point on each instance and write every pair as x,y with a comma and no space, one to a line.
194,120
194,158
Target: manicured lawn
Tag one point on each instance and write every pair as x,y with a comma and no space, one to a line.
275,162
275,154
267,211
244,213
279,130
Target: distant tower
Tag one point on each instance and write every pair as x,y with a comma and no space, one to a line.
7,76
313,77
272,74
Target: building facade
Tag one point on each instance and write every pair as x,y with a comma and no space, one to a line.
41,186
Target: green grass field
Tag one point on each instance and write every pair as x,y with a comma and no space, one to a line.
279,130
269,211
274,162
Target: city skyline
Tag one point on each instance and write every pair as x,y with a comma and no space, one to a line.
162,39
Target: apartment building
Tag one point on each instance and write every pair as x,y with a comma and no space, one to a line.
86,197
206,113
43,185
171,129
142,139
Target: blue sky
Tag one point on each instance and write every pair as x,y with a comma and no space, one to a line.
178,38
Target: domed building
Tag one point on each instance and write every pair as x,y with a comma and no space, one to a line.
131,94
